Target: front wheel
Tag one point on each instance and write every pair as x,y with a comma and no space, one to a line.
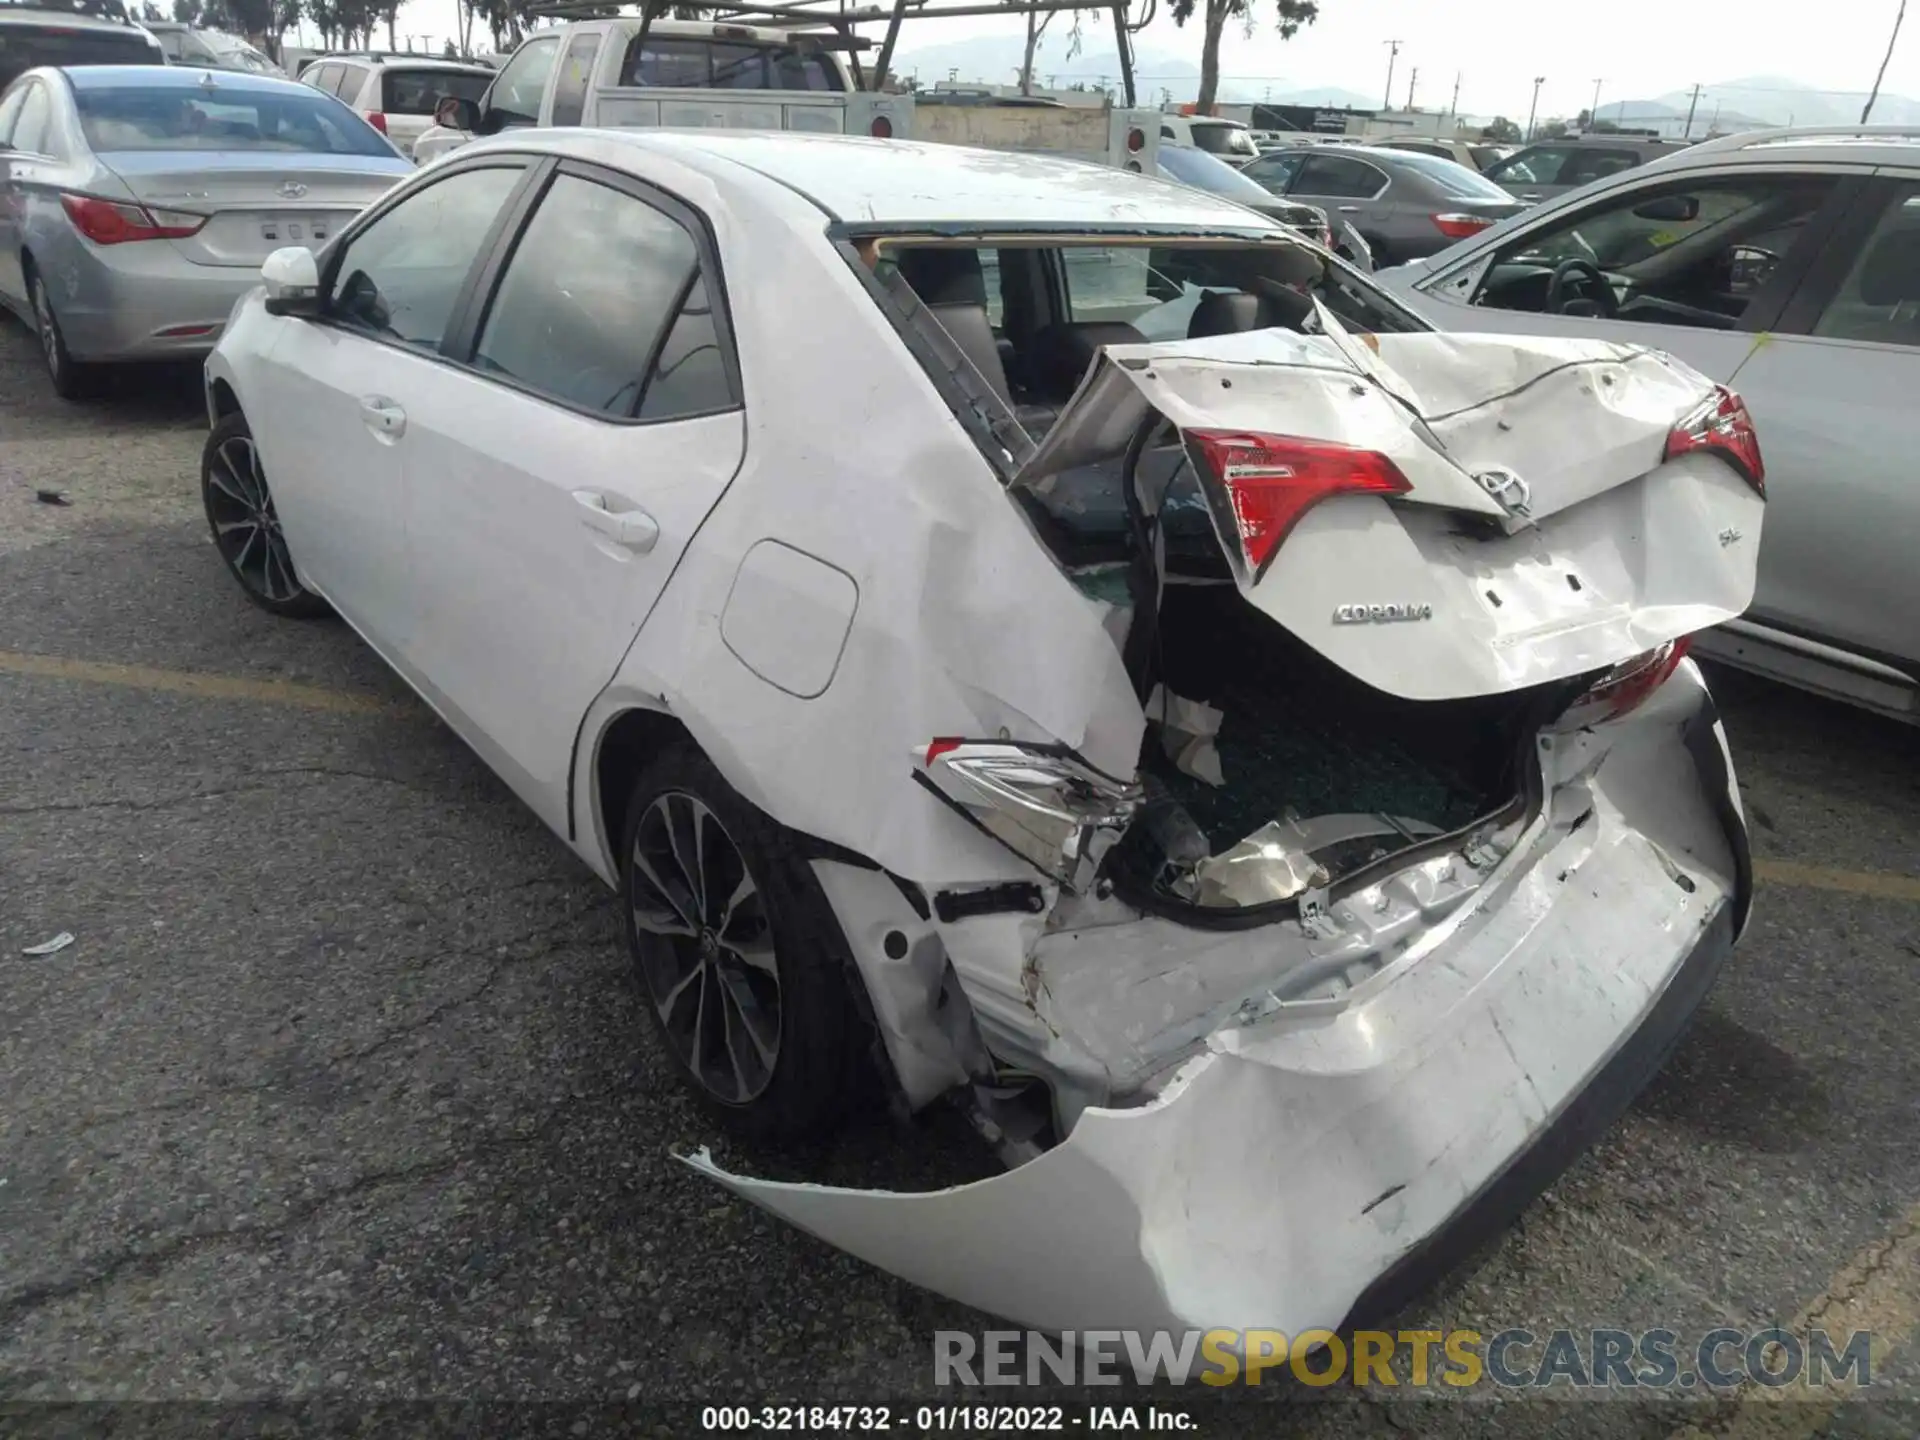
246,526
741,963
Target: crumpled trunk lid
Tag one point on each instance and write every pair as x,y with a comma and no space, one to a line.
1542,533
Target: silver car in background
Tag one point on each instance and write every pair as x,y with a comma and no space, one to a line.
137,202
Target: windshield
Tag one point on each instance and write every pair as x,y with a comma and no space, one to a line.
1450,177
236,51
1221,137
125,118
1207,172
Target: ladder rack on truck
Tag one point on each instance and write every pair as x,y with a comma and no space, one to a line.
607,70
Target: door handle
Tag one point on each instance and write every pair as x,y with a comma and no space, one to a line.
634,529
383,417
1534,198
1349,209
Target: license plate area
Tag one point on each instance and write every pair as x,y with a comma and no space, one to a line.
312,231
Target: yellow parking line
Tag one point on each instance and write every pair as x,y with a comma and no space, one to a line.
1871,883
199,684
1878,884
1878,1291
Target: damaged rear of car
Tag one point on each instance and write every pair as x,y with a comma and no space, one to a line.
1401,839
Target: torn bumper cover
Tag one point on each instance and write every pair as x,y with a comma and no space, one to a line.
1320,1165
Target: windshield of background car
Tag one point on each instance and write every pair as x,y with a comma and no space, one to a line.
23,46
123,118
1449,177
417,92
1207,172
239,54
725,65
1223,139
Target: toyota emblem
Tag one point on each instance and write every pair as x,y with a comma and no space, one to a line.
290,189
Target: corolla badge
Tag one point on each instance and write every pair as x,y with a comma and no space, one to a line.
290,189
1381,614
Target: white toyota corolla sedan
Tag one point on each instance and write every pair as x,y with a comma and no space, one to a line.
1041,637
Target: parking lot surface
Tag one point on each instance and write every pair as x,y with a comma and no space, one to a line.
341,1088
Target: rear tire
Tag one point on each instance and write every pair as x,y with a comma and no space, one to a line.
246,527
71,379
739,959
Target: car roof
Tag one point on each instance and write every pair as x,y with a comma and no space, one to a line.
177,77
894,182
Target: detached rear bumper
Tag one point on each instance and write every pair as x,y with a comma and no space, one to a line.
1313,1166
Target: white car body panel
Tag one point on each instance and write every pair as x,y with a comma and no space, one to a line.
1583,422
1295,1158
837,575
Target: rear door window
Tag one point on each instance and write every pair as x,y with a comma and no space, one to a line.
1340,176
324,77
576,74
604,307
417,92
353,79
1879,301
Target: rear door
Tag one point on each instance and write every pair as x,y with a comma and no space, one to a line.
553,483
330,410
1834,396
24,171
1347,186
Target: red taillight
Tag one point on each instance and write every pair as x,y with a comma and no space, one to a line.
881,128
1458,227
1136,141
1722,427
1625,687
378,120
113,222
1272,480
937,748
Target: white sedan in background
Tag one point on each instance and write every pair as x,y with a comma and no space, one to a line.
1256,773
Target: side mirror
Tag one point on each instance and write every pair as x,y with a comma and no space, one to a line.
456,113
292,278
1670,207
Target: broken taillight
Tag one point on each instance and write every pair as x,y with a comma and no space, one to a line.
1270,481
1627,685
1722,426
1042,802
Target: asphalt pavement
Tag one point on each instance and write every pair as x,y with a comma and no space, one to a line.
341,1090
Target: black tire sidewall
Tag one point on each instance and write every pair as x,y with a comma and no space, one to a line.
303,605
818,1064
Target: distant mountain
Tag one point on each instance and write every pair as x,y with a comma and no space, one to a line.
1754,101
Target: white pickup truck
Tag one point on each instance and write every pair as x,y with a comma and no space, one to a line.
687,73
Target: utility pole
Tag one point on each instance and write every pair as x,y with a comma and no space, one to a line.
1692,105
1593,115
1413,79
1393,53
1454,108
1899,15
1534,109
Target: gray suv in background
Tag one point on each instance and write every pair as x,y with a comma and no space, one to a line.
1405,205
1553,167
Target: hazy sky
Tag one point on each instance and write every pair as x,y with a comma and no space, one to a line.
1638,48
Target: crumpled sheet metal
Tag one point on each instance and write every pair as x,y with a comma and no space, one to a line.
1275,1176
1617,552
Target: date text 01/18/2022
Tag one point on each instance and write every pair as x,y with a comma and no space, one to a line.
942,1419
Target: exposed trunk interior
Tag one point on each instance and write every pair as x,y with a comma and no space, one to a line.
1298,743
